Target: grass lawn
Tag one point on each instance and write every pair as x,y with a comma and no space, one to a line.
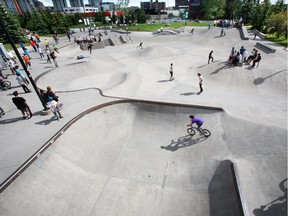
281,40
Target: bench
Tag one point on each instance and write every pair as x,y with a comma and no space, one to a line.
265,47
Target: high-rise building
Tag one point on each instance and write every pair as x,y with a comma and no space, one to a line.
59,5
94,3
20,6
76,3
181,4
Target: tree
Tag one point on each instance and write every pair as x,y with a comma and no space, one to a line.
213,8
12,25
246,11
141,16
277,23
37,24
261,14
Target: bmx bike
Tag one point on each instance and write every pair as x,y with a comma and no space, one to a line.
192,130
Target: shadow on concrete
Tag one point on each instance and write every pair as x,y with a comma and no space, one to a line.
277,207
182,142
189,93
46,121
223,198
221,68
12,120
161,81
260,80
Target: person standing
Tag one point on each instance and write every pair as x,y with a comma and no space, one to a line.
21,104
171,72
18,72
210,56
68,35
200,83
90,48
46,44
52,102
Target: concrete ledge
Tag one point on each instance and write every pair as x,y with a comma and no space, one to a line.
122,39
244,33
120,31
109,42
266,48
259,34
95,45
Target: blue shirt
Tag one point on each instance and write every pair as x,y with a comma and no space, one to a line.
197,120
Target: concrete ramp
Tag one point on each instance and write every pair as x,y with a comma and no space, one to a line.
135,159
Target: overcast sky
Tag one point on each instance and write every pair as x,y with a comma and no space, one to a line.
169,3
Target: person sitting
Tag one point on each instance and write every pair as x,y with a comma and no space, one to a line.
257,59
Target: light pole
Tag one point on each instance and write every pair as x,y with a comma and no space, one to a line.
22,63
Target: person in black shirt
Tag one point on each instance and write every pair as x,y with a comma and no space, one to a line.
21,104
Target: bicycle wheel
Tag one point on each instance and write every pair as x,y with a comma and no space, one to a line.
7,84
190,131
206,132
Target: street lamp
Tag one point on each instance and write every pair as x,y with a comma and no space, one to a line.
22,62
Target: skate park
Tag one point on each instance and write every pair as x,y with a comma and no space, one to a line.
122,147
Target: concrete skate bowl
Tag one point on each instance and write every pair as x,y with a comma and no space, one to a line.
132,158
83,74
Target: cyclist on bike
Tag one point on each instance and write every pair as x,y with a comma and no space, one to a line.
197,121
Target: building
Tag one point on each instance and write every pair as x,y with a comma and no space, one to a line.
94,3
38,4
159,5
153,5
72,10
59,5
76,3
108,6
19,6
181,4
195,10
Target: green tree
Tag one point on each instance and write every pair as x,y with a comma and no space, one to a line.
261,13
213,8
141,16
246,11
37,24
113,18
12,25
277,23
98,17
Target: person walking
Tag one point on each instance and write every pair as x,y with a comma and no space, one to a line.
26,60
19,72
210,56
40,52
32,43
46,44
22,83
48,55
200,83
53,57
171,72
22,105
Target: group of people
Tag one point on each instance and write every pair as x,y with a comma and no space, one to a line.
49,97
242,56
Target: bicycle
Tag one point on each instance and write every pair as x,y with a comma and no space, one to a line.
192,130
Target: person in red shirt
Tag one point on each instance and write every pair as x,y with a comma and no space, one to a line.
32,43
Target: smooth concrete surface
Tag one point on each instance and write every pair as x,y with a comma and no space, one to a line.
137,158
